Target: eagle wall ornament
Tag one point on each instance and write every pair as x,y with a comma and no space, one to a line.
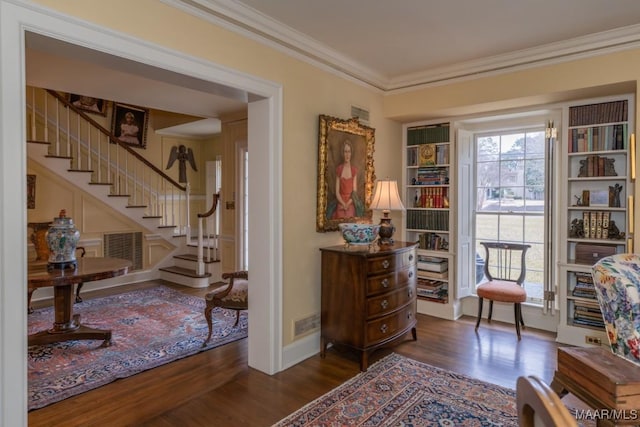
183,155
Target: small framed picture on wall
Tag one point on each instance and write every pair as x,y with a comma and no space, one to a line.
129,124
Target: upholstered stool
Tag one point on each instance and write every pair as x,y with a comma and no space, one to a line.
234,296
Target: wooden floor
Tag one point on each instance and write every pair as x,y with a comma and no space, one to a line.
216,388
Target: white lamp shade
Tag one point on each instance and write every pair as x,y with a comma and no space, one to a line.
386,197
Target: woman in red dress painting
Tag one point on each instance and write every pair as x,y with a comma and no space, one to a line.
346,184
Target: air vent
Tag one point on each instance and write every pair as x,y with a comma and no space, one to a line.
126,246
361,114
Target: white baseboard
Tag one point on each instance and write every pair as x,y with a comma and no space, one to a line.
300,350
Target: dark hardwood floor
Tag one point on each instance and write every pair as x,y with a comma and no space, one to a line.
217,388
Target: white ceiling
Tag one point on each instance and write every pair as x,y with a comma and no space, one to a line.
402,43
389,45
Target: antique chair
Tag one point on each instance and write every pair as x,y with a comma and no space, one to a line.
504,270
234,296
539,405
617,282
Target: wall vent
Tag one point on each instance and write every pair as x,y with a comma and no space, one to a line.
126,246
361,114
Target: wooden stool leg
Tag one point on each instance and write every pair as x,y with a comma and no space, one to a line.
490,311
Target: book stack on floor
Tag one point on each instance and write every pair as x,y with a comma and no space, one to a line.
432,278
586,312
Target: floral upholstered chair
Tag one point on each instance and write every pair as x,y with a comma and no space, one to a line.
234,296
617,282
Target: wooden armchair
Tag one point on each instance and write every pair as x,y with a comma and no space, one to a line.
505,269
536,401
234,296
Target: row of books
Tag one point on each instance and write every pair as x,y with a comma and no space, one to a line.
596,224
604,112
584,287
428,220
595,165
437,197
433,290
598,138
426,134
433,242
435,175
588,315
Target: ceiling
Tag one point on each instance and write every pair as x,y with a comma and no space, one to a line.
403,43
388,45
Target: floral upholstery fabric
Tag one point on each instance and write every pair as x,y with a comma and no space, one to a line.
617,282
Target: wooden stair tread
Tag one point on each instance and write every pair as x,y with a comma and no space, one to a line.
166,226
119,195
80,170
136,206
152,216
100,183
192,257
33,141
51,156
184,272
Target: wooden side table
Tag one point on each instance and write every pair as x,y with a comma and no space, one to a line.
602,380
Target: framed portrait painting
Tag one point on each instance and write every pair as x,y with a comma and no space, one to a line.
345,172
88,104
129,124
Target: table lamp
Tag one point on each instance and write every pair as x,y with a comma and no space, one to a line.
386,199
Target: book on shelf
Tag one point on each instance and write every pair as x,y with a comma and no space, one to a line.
437,267
433,274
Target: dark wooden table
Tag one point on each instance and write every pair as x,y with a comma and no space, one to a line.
66,325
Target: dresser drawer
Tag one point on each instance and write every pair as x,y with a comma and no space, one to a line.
388,326
381,264
389,302
391,281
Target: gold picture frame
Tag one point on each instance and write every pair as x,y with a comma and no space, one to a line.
337,139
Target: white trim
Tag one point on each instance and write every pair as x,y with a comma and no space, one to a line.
242,19
300,350
16,17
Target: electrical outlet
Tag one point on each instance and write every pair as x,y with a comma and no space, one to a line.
592,340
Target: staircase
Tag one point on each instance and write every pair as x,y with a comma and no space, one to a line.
74,146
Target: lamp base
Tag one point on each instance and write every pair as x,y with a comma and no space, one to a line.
386,231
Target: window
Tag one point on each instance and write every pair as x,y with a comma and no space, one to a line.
510,197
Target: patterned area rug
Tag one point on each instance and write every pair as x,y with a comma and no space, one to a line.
397,391
150,327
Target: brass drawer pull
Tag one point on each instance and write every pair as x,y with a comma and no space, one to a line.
384,328
409,315
411,257
384,304
386,263
411,274
385,283
410,293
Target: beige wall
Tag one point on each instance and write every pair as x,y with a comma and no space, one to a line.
309,91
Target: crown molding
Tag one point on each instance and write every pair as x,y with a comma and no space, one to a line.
240,18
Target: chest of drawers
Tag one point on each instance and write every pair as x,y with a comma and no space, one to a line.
368,296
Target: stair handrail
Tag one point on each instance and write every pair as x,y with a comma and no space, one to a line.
201,217
115,140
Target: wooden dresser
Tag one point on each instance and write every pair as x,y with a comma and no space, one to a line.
368,296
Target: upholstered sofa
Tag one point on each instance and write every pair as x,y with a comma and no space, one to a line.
617,282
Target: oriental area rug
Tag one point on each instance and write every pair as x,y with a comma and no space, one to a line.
397,391
150,327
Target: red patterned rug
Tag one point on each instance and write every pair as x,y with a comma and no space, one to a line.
150,327
397,391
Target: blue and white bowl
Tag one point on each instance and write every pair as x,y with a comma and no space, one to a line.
359,234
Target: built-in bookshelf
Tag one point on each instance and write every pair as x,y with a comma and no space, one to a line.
598,207
428,180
